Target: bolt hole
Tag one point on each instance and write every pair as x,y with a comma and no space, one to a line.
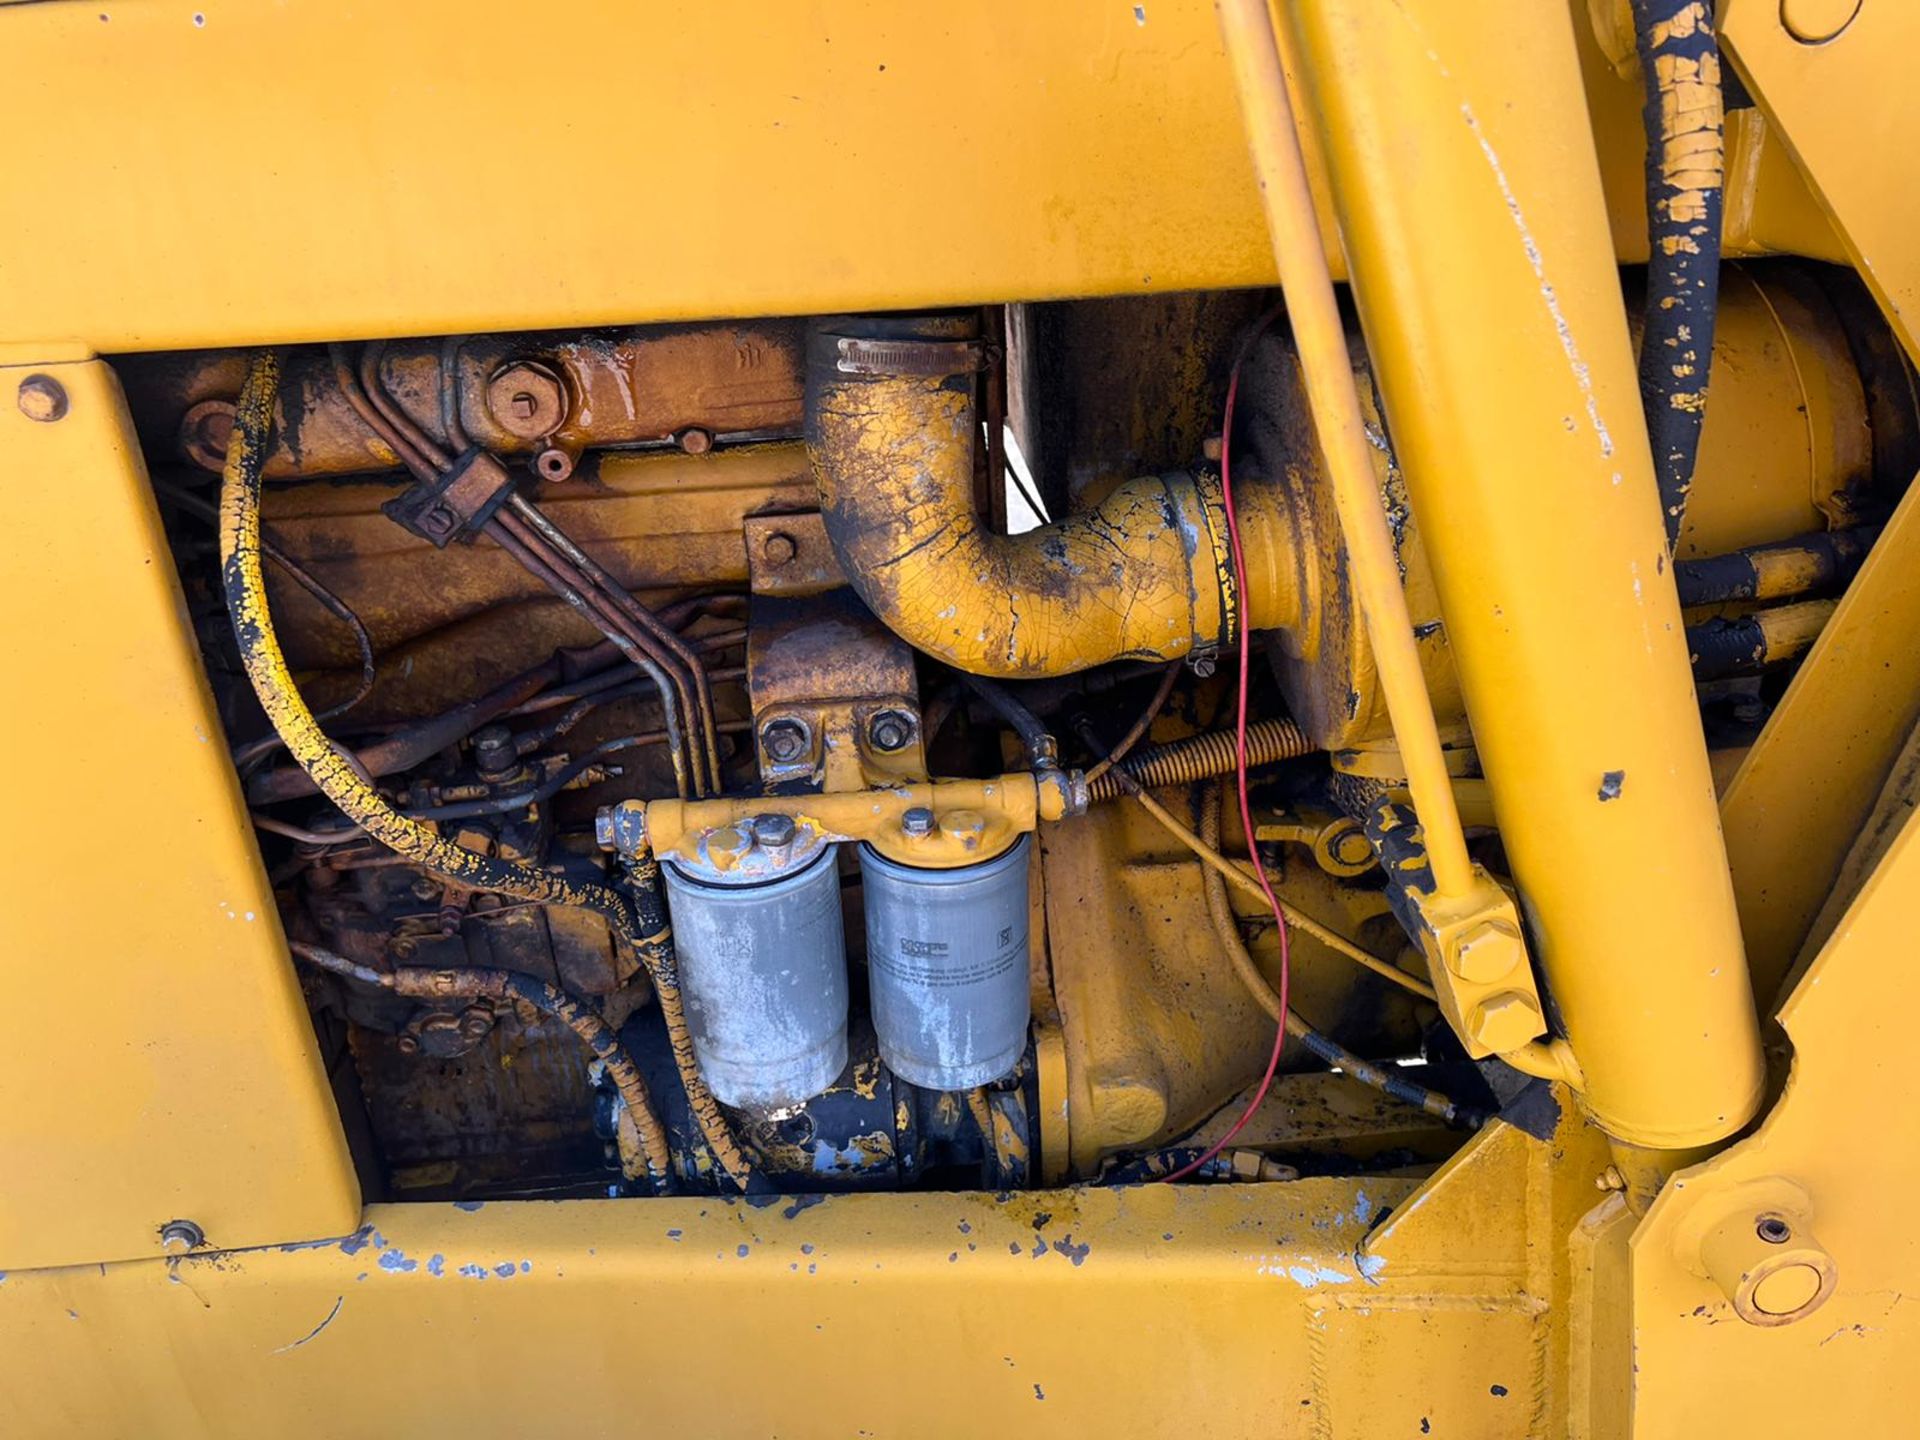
1773,1230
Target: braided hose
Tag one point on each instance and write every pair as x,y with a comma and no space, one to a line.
341,782
1206,756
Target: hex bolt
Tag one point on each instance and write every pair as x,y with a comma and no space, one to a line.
890,730
778,549
785,740
1504,1022
694,440
774,830
527,399
917,822
1485,952
603,832
43,398
1773,1229
182,1235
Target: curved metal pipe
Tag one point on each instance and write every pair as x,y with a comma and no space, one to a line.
892,429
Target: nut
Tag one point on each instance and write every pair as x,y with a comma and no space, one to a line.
891,730
494,750
622,827
785,741
553,464
527,399
1486,951
182,1235
1504,1021
43,398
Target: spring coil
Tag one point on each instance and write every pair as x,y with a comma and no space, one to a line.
1203,757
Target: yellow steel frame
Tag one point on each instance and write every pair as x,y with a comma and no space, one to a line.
241,173
233,172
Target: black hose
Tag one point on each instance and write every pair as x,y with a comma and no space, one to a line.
1686,163
1041,748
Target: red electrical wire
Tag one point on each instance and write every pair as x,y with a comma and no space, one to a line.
1240,757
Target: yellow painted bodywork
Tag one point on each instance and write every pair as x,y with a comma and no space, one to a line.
234,173
1643,953
243,173
157,1061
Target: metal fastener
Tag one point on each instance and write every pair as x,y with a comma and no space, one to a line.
527,399
1487,951
785,740
917,821
891,730
779,548
205,432
694,440
43,398
774,830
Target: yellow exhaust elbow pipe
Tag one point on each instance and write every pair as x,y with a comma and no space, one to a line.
892,431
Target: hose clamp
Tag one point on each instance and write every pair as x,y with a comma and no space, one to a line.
928,359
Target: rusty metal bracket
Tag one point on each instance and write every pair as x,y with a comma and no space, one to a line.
455,505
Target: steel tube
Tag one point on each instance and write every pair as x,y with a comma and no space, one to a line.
1487,290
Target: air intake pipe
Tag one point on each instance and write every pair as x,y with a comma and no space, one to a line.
892,431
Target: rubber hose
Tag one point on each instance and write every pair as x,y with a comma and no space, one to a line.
1206,756
1686,165
337,778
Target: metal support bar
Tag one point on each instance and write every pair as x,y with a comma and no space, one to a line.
1491,305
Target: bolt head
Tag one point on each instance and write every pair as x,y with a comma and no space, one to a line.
182,1235
890,731
1486,951
785,741
694,440
774,830
1504,1021
205,432
779,548
917,821
603,827
43,398
527,399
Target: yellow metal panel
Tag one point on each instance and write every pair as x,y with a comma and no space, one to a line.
1155,1310
1847,1132
1849,119
297,171
1801,795
230,172
156,1058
